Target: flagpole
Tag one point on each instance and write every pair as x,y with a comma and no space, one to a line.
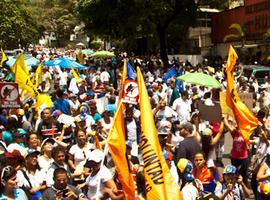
106,149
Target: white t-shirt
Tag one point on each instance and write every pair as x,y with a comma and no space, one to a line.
104,77
132,131
36,180
190,192
103,175
183,109
80,154
44,163
106,126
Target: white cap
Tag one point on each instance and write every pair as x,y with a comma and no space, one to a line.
96,156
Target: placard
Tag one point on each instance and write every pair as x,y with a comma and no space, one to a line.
9,95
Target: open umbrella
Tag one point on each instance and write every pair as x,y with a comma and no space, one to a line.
29,61
103,54
64,63
87,51
200,79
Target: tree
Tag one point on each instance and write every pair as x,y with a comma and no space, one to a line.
118,19
17,24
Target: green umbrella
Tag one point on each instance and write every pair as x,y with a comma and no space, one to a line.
200,79
103,54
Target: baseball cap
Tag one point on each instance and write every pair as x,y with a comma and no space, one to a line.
229,169
32,152
186,167
19,132
46,141
15,154
56,113
96,156
187,125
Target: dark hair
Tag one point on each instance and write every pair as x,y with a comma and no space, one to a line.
184,93
6,173
112,99
59,93
57,150
79,129
206,145
59,170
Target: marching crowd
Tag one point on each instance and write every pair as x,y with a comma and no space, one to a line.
59,151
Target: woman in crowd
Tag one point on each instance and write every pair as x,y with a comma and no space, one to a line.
45,159
107,188
239,152
106,121
233,186
8,186
33,141
208,176
31,178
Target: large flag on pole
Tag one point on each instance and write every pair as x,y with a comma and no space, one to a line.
246,121
159,181
4,57
22,78
117,145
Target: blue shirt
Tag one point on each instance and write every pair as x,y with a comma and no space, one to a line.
62,105
18,194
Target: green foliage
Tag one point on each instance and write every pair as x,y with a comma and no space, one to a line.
17,24
131,19
95,45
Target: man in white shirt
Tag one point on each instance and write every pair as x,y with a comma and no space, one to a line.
104,76
182,106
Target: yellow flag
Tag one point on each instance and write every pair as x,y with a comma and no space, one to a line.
117,145
23,66
159,181
76,76
38,75
43,100
22,78
245,119
80,57
4,57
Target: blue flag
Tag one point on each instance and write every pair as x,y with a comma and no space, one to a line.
131,74
172,72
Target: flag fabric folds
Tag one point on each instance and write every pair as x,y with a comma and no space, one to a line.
131,74
246,121
172,72
22,77
38,75
76,76
159,181
117,146
4,57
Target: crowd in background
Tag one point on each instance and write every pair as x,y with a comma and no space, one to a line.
57,152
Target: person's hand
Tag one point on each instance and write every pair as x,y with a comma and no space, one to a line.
71,194
58,195
229,187
240,179
80,186
65,126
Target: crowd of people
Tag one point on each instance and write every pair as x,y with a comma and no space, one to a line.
59,152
